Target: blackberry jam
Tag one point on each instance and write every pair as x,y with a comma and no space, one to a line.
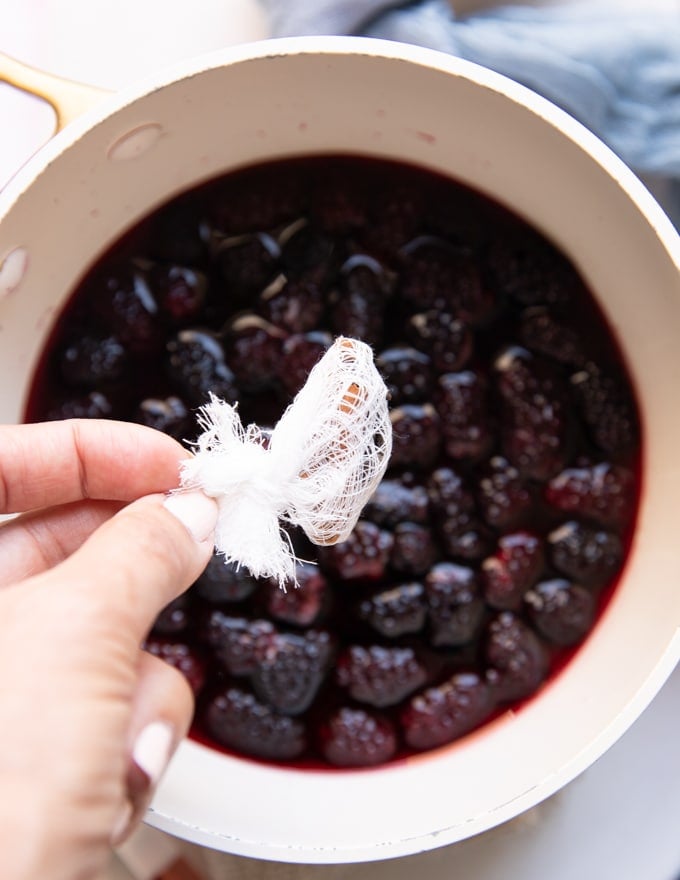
487,553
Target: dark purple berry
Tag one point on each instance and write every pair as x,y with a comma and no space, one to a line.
437,275
587,555
235,718
94,405
174,618
413,550
169,415
253,351
455,605
91,361
379,676
235,640
518,661
515,567
445,338
397,611
529,270
358,302
416,435
534,418
352,737
393,502
561,611
461,400
296,304
299,354
407,373
290,669
304,246
363,556
127,306
604,493
541,332
224,581
459,529
247,262
448,493
195,365
446,712
182,657
607,409
502,494
301,604
179,291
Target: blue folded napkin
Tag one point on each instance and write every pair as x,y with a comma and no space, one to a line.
616,71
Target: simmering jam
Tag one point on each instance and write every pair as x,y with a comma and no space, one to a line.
502,525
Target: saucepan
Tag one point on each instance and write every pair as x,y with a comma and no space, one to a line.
129,152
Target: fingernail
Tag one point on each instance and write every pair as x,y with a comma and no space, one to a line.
122,823
196,512
152,750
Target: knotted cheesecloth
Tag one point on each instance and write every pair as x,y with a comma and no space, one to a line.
316,469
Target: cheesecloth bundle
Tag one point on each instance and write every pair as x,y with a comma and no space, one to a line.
316,469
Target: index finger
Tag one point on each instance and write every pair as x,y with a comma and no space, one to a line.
52,463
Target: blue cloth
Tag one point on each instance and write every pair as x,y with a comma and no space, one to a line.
616,71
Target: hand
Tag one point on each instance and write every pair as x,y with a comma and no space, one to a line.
88,721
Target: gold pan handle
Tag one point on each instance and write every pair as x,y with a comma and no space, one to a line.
68,99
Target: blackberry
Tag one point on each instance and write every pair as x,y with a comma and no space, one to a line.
503,496
447,340
603,493
92,361
253,351
290,669
196,367
461,400
398,611
393,502
363,556
561,611
224,581
447,711
169,415
235,718
407,373
416,435
515,567
299,354
413,550
235,640
455,607
352,737
534,420
379,676
517,659
299,605
585,554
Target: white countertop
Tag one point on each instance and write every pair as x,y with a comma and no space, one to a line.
621,819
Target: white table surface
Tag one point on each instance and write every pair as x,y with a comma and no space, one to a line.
620,820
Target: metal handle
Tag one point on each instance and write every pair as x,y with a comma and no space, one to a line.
68,99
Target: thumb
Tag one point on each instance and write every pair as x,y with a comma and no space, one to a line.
142,558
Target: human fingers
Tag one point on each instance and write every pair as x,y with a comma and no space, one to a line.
51,463
39,540
161,714
136,563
